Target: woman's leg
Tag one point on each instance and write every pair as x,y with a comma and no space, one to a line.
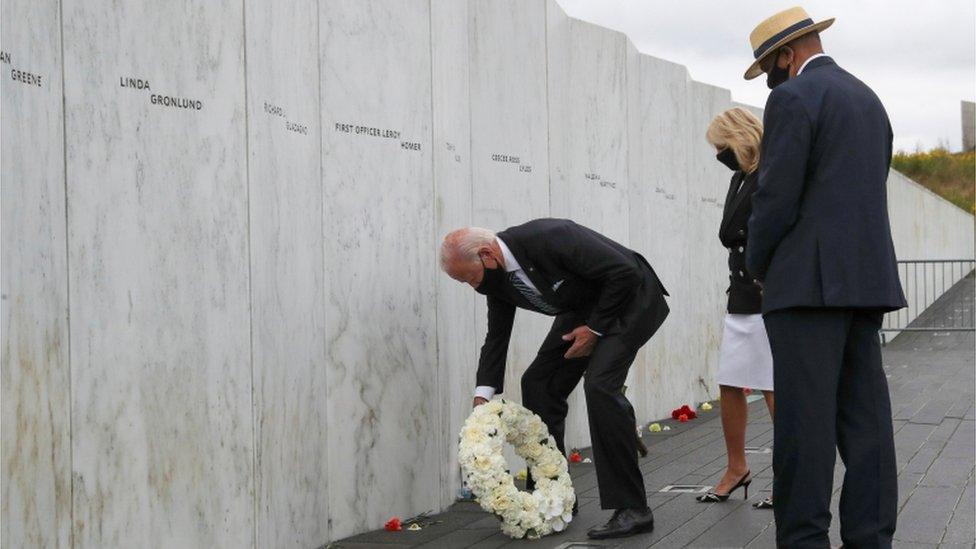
734,414
770,403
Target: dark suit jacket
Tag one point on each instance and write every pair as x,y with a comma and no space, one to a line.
745,297
819,235
579,271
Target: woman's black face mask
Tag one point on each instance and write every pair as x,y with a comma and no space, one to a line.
727,156
492,281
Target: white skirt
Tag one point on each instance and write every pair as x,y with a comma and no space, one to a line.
745,359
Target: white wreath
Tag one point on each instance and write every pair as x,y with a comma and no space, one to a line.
550,507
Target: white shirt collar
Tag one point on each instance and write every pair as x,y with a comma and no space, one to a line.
511,264
807,62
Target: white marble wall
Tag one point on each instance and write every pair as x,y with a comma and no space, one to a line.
588,146
288,306
659,167
263,351
380,261
451,148
162,434
35,391
509,143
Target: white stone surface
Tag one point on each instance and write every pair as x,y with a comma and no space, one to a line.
287,274
708,181
588,178
657,127
509,118
451,149
380,257
162,434
926,226
35,393
263,351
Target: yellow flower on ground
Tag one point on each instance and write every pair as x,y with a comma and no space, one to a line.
654,428
706,406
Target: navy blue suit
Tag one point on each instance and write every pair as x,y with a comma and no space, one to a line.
819,239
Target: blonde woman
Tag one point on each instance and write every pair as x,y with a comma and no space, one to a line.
745,360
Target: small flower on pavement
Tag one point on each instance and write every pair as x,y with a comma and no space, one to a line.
575,457
706,406
393,525
654,428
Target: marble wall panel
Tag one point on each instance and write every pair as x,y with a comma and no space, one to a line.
509,144
658,116
381,263
451,148
287,274
34,384
925,226
587,99
708,182
157,240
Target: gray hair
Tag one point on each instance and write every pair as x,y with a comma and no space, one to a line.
463,244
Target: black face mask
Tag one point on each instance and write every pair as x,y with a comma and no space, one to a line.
492,281
727,156
776,75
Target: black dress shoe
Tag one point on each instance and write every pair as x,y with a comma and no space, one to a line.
623,523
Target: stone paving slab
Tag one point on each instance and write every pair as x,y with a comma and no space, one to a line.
931,378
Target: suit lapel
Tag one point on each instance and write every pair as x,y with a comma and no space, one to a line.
730,200
744,191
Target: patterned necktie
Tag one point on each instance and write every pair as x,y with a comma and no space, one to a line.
531,295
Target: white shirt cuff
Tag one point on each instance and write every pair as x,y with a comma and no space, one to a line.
484,391
594,331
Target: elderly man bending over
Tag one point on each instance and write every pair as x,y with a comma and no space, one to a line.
607,302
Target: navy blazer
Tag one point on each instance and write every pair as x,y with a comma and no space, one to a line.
819,234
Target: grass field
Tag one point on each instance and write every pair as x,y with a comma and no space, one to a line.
950,175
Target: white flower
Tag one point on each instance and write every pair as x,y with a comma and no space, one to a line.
549,507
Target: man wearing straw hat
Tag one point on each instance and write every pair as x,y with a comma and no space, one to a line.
820,243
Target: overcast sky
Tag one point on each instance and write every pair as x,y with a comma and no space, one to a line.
919,57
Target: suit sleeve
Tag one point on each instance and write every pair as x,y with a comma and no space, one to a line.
581,251
786,142
491,367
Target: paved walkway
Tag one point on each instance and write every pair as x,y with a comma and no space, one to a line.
931,378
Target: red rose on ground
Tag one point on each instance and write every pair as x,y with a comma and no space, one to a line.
393,525
683,418
575,457
686,411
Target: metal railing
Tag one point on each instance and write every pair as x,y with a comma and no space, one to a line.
939,294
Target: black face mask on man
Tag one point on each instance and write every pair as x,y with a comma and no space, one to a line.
727,156
492,281
776,75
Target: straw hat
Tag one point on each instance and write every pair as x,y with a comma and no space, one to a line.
776,31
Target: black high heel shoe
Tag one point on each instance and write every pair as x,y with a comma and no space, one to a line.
712,497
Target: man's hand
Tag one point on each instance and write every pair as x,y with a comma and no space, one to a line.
478,401
584,340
